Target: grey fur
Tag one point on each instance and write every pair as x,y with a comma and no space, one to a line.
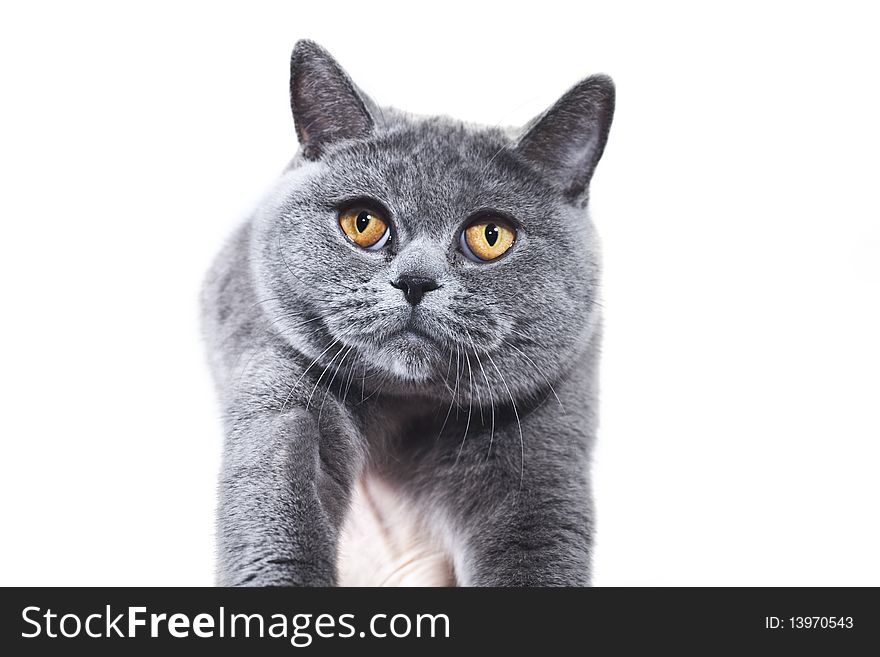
487,427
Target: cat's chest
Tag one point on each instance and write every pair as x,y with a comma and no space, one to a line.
385,542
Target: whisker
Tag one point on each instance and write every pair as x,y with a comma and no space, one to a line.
522,449
330,385
289,394
448,369
351,371
257,303
363,384
492,159
535,367
470,406
323,372
282,317
383,379
451,399
489,392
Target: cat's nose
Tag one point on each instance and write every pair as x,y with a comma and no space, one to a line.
414,287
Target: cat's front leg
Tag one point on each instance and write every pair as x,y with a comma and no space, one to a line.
514,502
280,502
537,535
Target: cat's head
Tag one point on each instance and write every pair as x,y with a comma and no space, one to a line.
429,255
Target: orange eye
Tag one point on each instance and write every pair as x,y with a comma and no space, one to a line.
365,228
487,239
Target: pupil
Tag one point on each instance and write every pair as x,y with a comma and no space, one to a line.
491,234
363,220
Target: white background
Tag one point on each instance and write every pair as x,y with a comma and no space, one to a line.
737,201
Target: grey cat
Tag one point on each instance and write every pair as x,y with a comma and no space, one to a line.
410,318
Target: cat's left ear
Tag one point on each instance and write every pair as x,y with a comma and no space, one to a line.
567,140
327,106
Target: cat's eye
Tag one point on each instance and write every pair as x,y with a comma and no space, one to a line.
487,239
365,228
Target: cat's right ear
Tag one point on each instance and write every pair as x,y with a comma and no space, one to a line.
568,139
327,106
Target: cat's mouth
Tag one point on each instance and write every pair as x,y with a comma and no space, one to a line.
415,333
412,352
414,329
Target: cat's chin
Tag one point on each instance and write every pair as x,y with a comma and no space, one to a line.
410,356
